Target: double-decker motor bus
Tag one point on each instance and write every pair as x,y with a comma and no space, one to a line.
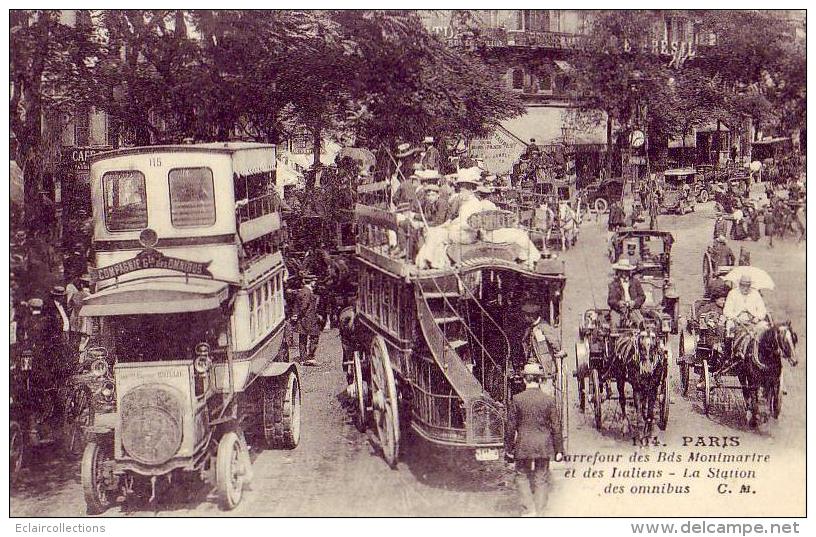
188,302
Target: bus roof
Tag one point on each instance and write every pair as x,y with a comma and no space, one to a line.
214,147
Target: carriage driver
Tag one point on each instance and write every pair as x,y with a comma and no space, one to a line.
744,307
533,437
625,296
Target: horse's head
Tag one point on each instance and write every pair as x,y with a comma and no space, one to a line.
649,350
786,341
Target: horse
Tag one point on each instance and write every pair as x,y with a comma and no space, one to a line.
641,360
564,223
761,365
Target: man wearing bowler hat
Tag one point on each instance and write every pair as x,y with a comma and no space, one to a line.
307,322
533,437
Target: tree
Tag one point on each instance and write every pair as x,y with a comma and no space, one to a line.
47,60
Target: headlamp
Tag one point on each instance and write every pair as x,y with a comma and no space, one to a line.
107,391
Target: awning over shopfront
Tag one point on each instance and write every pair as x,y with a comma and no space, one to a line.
546,124
156,296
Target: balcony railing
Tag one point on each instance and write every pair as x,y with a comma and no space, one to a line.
499,37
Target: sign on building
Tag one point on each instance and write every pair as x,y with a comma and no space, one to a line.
76,161
499,151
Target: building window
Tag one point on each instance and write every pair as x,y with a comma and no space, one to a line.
125,200
537,20
192,200
82,127
544,81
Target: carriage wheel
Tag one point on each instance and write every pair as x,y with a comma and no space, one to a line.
595,386
361,418
601,205
775,401
581,379
663,399
384,401
706,270
684,366
706,387
702,197
230,471
16,450
78,415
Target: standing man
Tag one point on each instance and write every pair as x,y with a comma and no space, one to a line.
307,322
431,157
533,438
721,254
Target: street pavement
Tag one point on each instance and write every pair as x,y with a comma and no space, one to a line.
337,471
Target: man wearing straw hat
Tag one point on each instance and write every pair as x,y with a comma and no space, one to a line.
625,296
533,437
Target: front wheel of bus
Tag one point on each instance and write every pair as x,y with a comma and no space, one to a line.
229,471
93,475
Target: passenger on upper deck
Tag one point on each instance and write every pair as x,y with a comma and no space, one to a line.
434,207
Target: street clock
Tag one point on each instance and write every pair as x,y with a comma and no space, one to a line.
638,138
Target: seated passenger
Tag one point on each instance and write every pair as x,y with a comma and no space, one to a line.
625,296
745,308
434,207
721,254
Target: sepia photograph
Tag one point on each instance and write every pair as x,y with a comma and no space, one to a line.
407,263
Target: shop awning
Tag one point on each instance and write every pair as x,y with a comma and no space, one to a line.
546,124
156,296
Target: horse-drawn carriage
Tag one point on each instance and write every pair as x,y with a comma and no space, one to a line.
431,346
680,190
750,359
650,252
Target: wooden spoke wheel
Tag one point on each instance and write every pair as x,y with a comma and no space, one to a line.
707,269
684,366
384,401
229,471
581,379
702,197
16,450
596,396
79,413
94,477
706,387
775,400
663,402
361,417
601,205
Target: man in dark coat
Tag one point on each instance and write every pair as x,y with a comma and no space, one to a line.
434,208
721,254
625,296
431,157
533,437
617,216
307,322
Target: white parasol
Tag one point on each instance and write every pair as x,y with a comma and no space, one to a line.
759,278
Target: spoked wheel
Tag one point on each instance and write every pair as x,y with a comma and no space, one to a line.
16,450
93,474
706,269
361,418
601,205
79,413
663,400
595,387
384,401
702,197
229,471
775,401
706,387
581,379
684,366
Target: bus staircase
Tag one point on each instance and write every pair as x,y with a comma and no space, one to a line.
469,395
